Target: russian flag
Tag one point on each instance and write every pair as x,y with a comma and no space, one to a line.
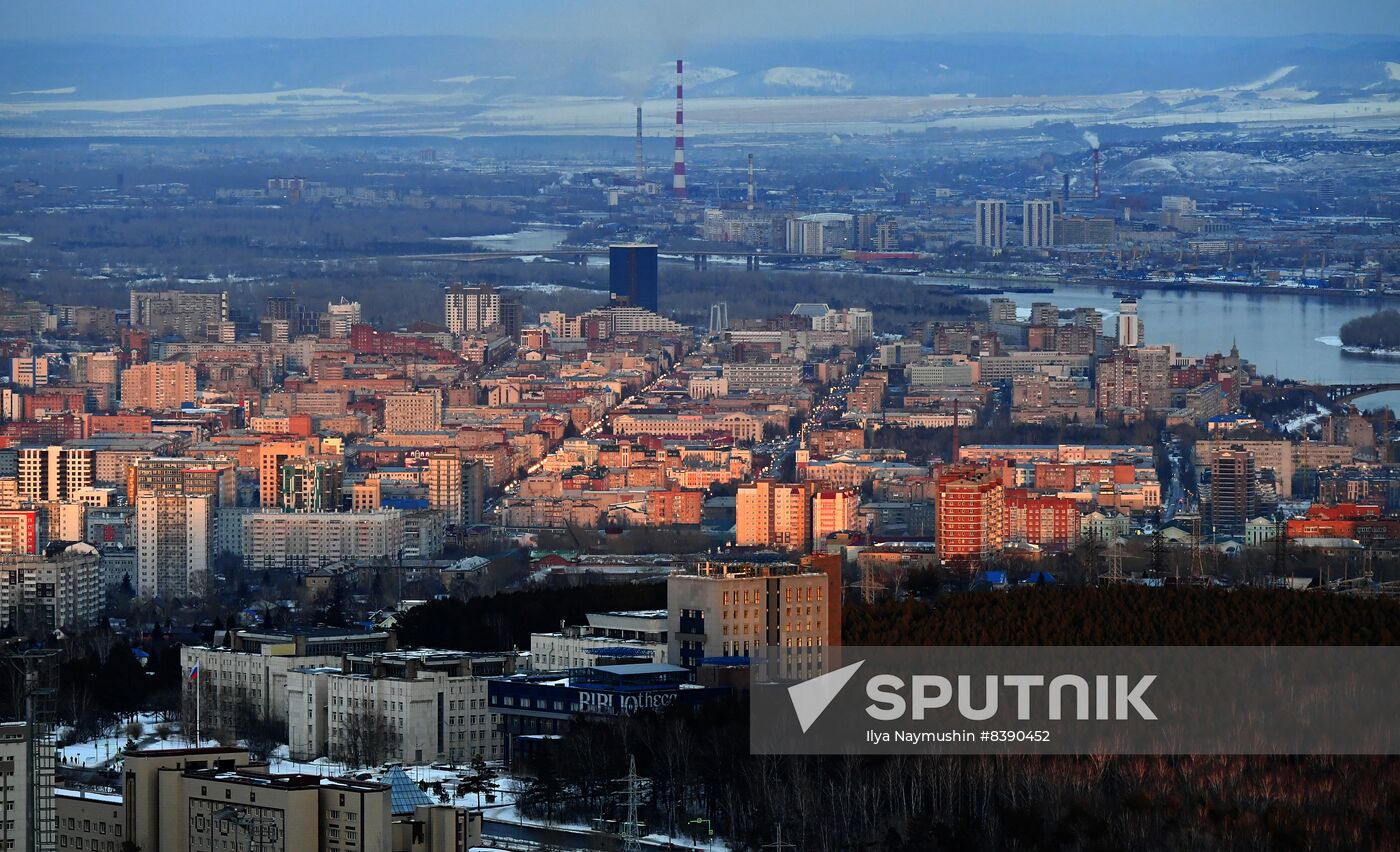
194,672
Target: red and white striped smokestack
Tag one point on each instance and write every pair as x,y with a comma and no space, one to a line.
1096,171
678,180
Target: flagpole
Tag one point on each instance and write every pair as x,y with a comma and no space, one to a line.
197,691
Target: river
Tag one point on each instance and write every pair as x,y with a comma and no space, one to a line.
1283,334
1293,336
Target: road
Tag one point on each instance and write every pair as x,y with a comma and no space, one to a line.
492,508
560,838
824,410
1176,499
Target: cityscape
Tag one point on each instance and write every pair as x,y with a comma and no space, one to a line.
426,432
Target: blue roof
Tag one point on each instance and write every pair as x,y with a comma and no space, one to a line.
996,578
404,794
618,652
641,668
725,661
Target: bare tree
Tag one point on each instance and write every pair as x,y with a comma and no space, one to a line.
364,741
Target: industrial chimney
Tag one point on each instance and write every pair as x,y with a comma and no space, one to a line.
1096,172
678,180
640,177
751,181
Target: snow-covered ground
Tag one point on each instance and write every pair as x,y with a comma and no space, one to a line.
1305,421
104,752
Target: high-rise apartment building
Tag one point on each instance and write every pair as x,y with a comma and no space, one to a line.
728,610
1042,520
1038,223
300,541
98,368
271,456
1233,497
311,485
990,228
1044,313
413,411
31,371
21,531
158,386
1134,378
15,776
1089,317
177,312
59,588
55,474
212,477
886,235
774,514
279,308
456,486
468,310
632,275
174,544
1001,309
970,513
833,511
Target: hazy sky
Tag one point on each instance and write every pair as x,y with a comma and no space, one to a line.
700,18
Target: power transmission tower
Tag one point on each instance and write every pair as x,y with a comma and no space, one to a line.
778,845
1280,547
1197,570
1158,549
632,827
1115,566
870,585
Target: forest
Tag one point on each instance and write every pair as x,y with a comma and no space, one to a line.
1380,330
507,620
702,774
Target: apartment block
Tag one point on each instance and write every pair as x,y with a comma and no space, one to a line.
970,513
21,531
413,411
158,386
774,514
55,474
456,487
177,312
833,511
301,541
60,588
174,545
15,769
